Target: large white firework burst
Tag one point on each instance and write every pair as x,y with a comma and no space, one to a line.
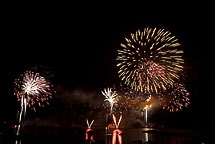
37,88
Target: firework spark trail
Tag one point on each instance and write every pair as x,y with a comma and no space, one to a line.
114,119
174,98
110,97
20,113
89,125
150,60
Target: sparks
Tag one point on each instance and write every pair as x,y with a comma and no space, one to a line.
37,88
174,98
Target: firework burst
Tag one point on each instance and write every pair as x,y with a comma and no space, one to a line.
174,98
35,86
111,98
150,60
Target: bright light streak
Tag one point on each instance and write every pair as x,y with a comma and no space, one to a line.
89,125
117,123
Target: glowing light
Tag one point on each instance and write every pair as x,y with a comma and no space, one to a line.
150,60
146,137
89,137
146,115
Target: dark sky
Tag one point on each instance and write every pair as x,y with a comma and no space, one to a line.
80,48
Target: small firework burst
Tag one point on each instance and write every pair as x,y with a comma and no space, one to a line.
174,98
111,99
36,87
150,60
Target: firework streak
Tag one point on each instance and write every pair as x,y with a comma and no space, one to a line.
114,120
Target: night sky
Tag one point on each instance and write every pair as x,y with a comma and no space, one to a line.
79,49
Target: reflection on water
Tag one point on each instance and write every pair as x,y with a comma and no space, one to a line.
57,135
89,135
18,142
127,136
146,136
117,136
